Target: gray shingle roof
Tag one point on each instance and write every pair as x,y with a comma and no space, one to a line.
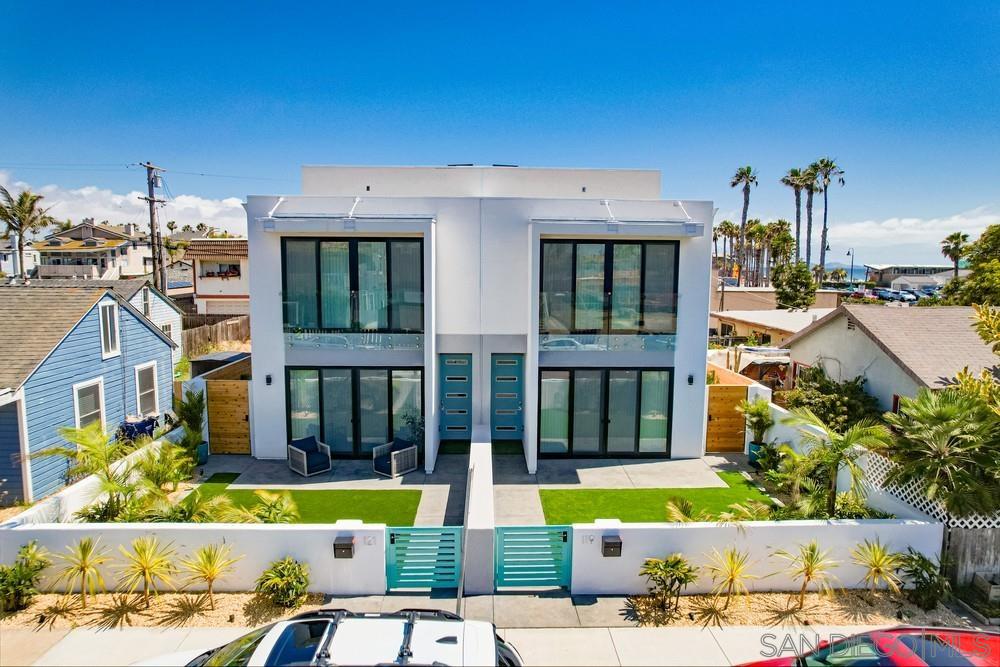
931,344
33,323
126,289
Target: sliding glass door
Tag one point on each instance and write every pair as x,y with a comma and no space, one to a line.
353,410
353,285
608,287
613,412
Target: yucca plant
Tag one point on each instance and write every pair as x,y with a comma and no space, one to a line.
209,563
751,510
82,570
811,566
729,572
682,510
668,577
148,564
880,563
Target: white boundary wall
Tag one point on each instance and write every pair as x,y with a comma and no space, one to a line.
480,519
595,575
61,506
258,544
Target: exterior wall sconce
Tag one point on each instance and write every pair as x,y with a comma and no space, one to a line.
267,380
690,379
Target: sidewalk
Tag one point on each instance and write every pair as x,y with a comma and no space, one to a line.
538,646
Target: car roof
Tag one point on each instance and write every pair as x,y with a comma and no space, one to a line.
372,639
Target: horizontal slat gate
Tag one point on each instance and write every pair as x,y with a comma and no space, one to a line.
423,557
533,556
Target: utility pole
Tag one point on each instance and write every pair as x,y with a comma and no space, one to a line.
156,242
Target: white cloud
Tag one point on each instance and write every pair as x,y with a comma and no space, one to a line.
103,204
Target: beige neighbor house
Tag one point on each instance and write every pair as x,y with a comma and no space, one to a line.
221,279
95,251
759,298
769,327
897,350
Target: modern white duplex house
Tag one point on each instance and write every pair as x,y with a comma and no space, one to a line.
562,309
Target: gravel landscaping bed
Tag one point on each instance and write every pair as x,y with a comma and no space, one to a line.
56,611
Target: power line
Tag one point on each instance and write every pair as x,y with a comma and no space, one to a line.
115,166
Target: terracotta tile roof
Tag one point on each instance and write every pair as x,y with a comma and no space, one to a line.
33,323
930,344
216,248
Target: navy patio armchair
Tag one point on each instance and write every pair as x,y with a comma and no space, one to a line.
308,456
395,458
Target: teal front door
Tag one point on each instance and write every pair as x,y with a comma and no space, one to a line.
507,397
455,373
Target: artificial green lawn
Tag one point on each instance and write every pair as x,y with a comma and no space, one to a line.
642,505
391,507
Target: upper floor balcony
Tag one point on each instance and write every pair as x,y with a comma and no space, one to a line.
79,271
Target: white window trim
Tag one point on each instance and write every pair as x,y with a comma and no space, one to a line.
99,381
100,320
147,302
156,388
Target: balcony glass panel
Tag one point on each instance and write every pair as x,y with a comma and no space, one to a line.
606,343
354,341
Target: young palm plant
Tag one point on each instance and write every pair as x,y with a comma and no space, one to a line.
729,572
271,507
880,564
668,577
209,563
193,508
811,566
83,561
165,468
832,451
681,510
148,564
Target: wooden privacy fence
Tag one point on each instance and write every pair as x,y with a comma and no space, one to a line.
228,405
726,430
232,329
194,320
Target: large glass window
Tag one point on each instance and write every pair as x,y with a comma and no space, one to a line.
604,412
353,410
353,285
608,287
553,420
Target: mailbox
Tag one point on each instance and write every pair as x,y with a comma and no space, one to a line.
343,547
611,546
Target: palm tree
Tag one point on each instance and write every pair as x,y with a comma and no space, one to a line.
201,227
83,561
954,247
795,180
946,441
811,188
838,275
832,451
729,572
811,566
827,172
147,564
186,228
171,226
745,177
756,234
729,232
210,563
880,564
22,216
715,241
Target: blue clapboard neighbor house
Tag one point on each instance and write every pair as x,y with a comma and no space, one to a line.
71,356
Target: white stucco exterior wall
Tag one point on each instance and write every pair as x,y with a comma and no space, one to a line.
847,353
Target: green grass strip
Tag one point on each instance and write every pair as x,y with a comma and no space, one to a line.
565,506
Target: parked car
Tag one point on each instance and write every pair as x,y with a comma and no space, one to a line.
338,637
902,646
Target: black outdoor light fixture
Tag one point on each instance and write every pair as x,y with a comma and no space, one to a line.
691,379
267,380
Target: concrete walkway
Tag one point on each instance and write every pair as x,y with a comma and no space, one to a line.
538,646
442,498
515,492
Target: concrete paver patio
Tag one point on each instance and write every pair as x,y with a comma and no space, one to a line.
442,498
515,492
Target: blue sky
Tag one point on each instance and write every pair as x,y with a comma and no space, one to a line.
906,95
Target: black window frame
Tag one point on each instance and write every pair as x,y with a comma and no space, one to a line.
356,452
354,279
605,378
609,245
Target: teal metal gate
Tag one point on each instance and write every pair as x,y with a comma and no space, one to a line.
423,557
534,556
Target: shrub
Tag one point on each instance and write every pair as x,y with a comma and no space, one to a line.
270,507
285,582
166,467
19,582
191,413
769,456
148,563
928,585
880,564
668,578
809,565
209,563
838,404
82,569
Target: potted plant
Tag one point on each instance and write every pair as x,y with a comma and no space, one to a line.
759,421
191,413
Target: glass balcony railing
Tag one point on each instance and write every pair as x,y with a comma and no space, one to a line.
606,343
355,341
